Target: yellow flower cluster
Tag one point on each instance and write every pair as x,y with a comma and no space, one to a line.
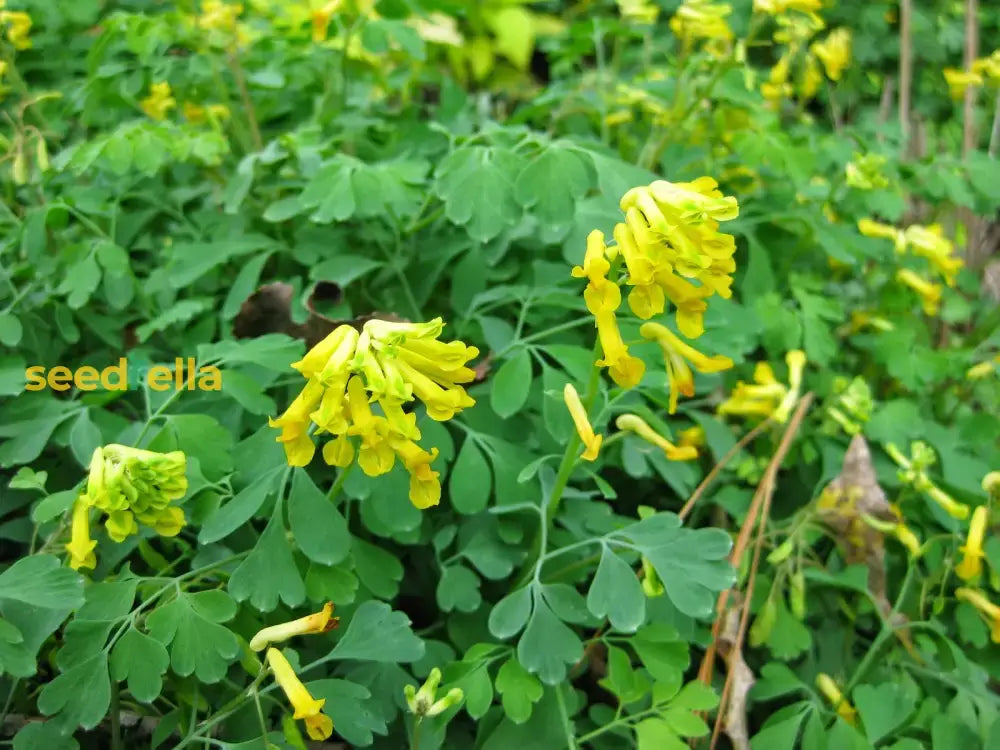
159,102
768,397
913,472
390,364
196,114
670,235
851,406
17,25
865,172
926,242
801,65
319,726
702,19
985,70
131,486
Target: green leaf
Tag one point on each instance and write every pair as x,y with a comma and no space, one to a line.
234,514
662,652
247,392
883,708
511,613
319,529
554,182
84,438
198,644
628,684
142,661
617,594
27,478
42,581
471,479
511,384
45,734
10,329
519,690
15,659
377,633
379,571
778,736
476,185
283,209
788,637
80,695
334,583
189,261
81,281
108,601
458,589
344,268
691,563
478,691
269,572
350,707
54,506
656,734
548,646
180,312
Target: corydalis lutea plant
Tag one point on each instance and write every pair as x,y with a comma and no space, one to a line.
390,364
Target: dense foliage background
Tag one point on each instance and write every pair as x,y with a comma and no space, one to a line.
230,182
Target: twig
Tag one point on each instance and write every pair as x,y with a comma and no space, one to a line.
760,504
710,477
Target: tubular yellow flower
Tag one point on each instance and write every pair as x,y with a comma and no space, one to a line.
946,502
319,726
319,622
796,361
321,19
929,242
834,52
159,101
983,369
959,80
18,25
929,293
591,442
701,19
758,399
636,424
294,425
81,546
870,228
971,566
425,487
987,609
624,369
832,693
677,355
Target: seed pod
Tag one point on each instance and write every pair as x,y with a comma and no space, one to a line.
41,154
19,171
797,595
782,552
763,624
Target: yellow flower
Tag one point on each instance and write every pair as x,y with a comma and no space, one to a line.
971,566
641,11
321,19
634,423
777,7
677,355
796,361
218,15
929,242
989,67
991,483
693,436
159,101
197,114
959,80
929,293
865,173
834,52
425,487
294,425
811,78
987,609
591,442
832,693
134,486
913,472
870,228
625,369
758,399
983,369
437,28
319,726
81,546
701,19
319,622
18,25
422,704
601,295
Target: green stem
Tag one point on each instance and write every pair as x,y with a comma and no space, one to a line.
116,729
338,483
564,715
